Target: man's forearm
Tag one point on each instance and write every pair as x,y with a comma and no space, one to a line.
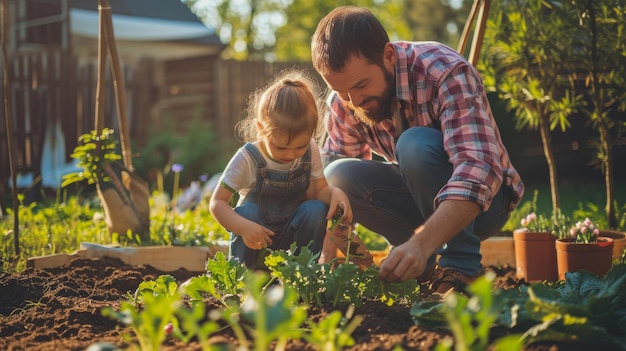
448,219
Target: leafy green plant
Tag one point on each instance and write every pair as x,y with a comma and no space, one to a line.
224,280
92,153
332,283
584,308
192,323
334,332
269,315
470,319
159,301
275,313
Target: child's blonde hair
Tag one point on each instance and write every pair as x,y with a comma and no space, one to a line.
288,105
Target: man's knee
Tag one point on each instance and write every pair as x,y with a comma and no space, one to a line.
420,145
340,173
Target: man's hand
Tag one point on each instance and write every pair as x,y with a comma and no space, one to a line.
409,259
404,262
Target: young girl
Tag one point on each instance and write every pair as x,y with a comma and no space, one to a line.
278,173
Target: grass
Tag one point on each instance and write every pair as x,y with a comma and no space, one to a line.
61,226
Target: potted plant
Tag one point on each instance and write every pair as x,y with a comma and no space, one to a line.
535,253
584,248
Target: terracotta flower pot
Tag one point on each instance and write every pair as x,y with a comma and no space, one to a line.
594,257
619,242
535,255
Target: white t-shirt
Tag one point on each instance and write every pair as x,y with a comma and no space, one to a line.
240,173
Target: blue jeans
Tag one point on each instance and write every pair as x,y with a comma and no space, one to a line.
307,227
394,199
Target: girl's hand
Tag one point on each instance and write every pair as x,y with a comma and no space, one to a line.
256,236
339,200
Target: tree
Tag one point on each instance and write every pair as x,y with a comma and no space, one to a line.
600,58
529,43
304,15
438,20
248,26
281,30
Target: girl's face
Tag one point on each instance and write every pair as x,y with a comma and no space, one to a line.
280,148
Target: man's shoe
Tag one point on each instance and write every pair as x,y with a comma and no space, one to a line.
445,279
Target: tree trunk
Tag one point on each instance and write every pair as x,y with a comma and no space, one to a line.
544,129
607,169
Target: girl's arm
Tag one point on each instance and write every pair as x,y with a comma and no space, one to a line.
254,235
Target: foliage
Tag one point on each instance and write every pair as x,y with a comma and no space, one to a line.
61,227
250,28
600,60
270,315
444,22
92,153
197,150
527,62
224,280
471,318
598,216
553,59
333,283
274,312
160,300
49,229
584,308
334,332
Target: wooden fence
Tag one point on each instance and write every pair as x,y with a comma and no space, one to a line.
54,90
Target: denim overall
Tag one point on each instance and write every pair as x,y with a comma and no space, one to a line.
277,202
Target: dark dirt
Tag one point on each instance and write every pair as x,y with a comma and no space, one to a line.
60,309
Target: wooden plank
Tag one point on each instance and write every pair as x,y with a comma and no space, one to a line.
164,258
498,251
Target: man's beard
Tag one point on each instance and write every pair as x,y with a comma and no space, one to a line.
383,109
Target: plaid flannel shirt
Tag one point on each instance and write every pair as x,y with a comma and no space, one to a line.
436,87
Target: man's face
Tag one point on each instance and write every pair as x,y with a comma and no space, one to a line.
368,89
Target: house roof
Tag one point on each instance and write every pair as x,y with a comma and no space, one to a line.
143,20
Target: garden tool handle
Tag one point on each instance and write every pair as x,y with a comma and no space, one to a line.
107,44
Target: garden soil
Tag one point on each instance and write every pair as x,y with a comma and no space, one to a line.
60,309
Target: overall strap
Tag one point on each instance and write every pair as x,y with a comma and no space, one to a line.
255,154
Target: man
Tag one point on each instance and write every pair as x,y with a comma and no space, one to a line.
447,182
